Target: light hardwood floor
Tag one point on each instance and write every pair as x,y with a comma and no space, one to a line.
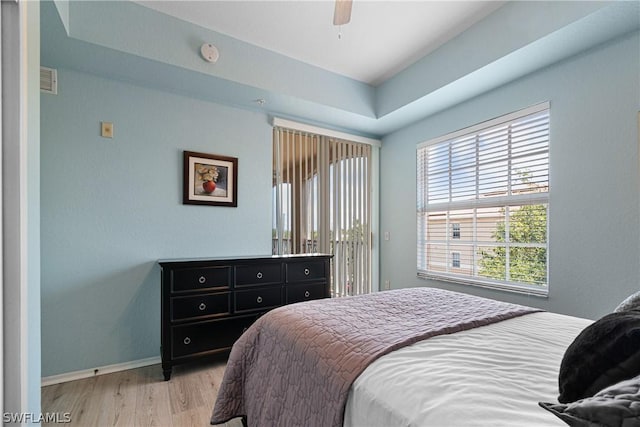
139,397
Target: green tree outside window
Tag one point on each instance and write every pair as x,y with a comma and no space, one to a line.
526,264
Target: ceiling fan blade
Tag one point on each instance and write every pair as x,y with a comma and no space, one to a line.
342,12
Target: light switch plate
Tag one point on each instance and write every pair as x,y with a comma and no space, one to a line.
107,130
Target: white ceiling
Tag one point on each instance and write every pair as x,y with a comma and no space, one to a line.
383,37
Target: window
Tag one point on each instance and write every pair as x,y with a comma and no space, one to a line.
455,259
483,197
455,230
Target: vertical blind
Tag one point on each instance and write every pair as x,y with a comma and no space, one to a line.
482,203
322,204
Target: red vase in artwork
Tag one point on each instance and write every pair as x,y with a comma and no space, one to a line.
209,186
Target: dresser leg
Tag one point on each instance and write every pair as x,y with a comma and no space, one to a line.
166,371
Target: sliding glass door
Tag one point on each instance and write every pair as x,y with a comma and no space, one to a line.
322,204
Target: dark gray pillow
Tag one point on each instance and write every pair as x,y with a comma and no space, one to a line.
615,406
632,302
604,353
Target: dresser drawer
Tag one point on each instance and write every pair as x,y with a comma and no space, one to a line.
259,274
189,279
306,292
200,306
305,271
258,299
207,336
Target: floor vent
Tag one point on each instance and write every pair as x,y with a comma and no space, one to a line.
49,80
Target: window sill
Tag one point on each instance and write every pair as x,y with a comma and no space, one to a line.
537,291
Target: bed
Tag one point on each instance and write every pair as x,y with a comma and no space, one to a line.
410,357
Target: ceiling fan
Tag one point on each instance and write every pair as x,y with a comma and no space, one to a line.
342,12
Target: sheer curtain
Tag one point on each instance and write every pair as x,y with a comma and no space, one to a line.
322,203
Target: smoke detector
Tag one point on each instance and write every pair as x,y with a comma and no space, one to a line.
209,53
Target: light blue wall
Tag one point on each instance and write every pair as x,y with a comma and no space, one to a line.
63,9
594,205
111,208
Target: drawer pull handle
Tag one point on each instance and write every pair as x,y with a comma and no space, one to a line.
202,279
306,272
259,275
187,341
307,294
202,306
259,300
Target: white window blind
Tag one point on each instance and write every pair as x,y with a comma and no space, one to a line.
322,204
482,203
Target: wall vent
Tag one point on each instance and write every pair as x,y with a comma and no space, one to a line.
49,80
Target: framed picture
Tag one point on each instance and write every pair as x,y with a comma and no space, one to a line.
210,179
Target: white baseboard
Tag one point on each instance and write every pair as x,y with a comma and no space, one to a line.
87,373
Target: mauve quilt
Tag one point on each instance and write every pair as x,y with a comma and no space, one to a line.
295,365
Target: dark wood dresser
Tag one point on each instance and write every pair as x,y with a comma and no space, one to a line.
208,303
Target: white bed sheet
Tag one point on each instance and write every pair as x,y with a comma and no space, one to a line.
492,376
